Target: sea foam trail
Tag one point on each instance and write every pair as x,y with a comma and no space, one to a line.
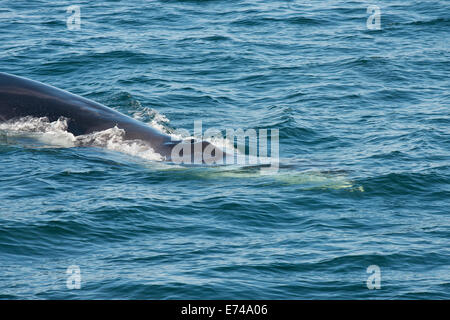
55,134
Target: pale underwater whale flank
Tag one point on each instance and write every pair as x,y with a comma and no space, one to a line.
21,98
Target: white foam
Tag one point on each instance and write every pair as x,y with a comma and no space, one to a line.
55,134
160,122
157,120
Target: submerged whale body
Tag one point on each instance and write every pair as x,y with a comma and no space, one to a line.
21,97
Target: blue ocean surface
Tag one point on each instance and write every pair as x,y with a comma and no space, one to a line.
358,209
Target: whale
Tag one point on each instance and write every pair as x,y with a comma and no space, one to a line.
21,97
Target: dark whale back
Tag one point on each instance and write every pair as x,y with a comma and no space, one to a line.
20,97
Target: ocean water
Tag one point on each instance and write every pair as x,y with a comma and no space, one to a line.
361,198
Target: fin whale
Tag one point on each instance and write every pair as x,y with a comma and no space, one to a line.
21,97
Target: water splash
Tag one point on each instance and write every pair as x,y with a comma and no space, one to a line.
55,134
